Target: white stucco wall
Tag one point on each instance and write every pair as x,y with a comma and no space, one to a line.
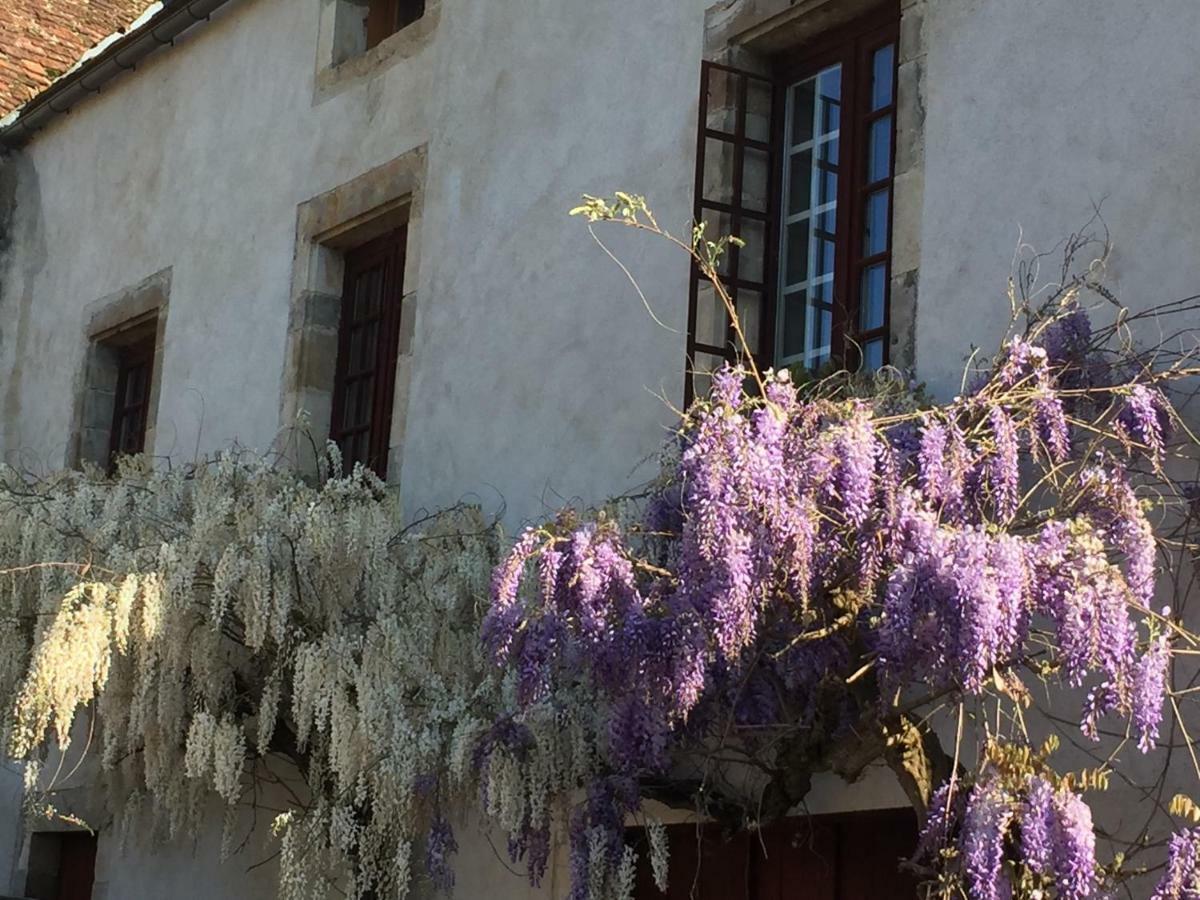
535,367
1035,111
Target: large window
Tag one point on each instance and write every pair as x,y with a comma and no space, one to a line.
798,163
368,335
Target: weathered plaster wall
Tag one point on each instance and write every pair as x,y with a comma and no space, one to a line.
534,365
199,162
1035,110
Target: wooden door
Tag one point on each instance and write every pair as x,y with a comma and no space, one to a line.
855,856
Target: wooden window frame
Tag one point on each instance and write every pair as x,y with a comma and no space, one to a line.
136,357
738,212
386,252
386,17
853,45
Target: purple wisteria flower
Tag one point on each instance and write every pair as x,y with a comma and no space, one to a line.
1037,826
1003,467
1149,692
1145,418
1068,337
985,828
1181,879
1074,847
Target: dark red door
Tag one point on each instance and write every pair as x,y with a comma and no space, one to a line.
854,856
76,867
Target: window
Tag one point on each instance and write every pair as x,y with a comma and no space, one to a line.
116,410
368,344
61,865
852,856
131,400
386,17
798,162
115,407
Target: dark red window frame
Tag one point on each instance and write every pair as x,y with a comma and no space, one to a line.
738,144
386,17
368,344
852,45
131,402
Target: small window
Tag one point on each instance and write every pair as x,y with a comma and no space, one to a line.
798,163
61,865
386,17
119,392
131,402
368,344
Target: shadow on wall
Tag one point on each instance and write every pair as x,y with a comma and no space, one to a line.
19,186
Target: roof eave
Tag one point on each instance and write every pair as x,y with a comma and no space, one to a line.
113,57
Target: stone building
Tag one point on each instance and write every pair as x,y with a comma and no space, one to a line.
186,208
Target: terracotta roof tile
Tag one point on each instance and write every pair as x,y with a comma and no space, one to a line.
41,39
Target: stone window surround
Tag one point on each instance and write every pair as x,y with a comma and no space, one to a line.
342,61
747,33
108,320
327,225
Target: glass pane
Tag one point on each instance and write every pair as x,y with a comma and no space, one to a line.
822,292
755,179
367,359
800,178
749,310
824,324
805,312
792,312
796,251
366,395
702,366
883,66
750,257
872,354
801,104
825,178
875,227
829,99
879,150
133,385
716,226
722,100
718,171
711,317
815,105
349,404
826,220
758,110
872,298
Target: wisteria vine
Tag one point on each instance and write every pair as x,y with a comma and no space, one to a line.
819,563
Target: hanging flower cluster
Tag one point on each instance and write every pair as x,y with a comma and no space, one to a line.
1017,831
230,614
